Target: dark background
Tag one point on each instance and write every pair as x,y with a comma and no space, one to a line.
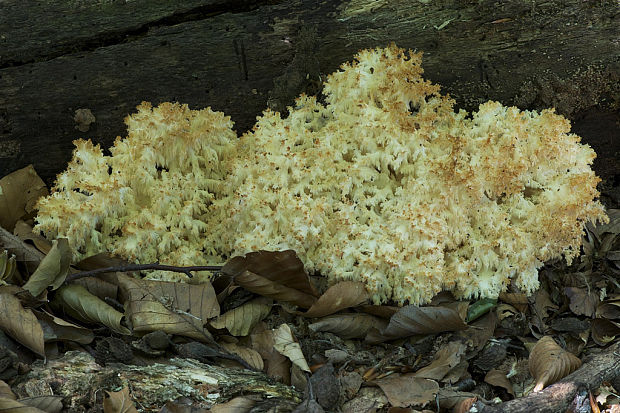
241,57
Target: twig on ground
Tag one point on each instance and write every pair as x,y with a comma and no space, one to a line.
142,267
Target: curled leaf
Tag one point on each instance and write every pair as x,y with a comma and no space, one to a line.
21,324
19,192
119,402
285,344
348,326
549,362
175,308
411,320
239,321
343,295
79,303
53,269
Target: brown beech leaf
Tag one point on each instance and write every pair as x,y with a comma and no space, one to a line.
277,366
19,191
263,286
53,269
236,405
24,231
604,331
382,311
76,301
496,377
240,321
26,254
8,266
548,362
480,331
348,326
445,360
101,260
6,392
252,357
281,267
15,406
517,300
174,308
48,404
582,302
449,398
343,295
99,287
404,390
411,320
609,309
285,344
118,402
21,324
57,329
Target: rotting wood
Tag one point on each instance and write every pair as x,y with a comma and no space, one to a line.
243,56
81,382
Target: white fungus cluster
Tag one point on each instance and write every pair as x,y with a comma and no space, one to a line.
384,183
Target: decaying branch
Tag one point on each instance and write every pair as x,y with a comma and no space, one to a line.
603,367
81,382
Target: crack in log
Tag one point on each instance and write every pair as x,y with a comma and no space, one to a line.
128,35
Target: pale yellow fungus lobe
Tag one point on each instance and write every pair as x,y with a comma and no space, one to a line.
385,184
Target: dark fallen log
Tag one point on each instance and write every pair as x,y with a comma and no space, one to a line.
573,389
243,56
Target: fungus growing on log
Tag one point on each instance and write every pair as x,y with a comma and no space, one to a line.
384,183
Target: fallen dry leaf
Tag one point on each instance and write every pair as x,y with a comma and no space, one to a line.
26,254
23,230
236,405
6,392
57,329
19,191
582,302
252,357
604,331
53,269
240,321
449,398
47,403
347,326
118,402
548,362
8,266
99,287
609,309
281,267
15,406
174,308
496,377
542,304
21,324
411,320
267,288
404,390
277,366
76,301
517,300
445,360
285,344
343,295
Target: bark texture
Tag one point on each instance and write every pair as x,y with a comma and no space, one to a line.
240,57
82,384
